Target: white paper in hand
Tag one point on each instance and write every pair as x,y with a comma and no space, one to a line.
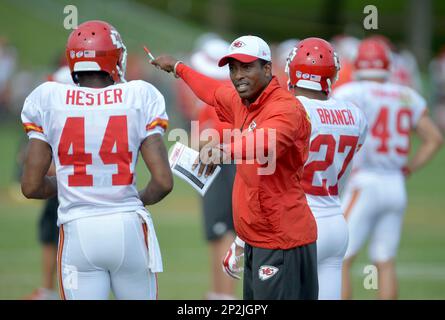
181,162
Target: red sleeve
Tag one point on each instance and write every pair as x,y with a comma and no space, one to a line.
275,134
187,102
210,91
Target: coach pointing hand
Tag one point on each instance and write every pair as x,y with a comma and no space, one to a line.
270,211
165,62
210,156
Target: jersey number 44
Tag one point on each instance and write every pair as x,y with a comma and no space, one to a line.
116,133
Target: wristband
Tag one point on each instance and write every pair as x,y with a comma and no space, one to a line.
174,68
239,242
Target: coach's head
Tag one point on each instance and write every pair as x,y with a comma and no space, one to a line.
250,66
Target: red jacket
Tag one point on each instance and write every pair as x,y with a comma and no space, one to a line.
209,119
269,211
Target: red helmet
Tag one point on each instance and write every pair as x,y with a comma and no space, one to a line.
312,64
385,40
96,46
373,59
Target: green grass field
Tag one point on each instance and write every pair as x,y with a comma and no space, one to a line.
421,260
177,221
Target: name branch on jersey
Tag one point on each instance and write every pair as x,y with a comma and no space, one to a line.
336,116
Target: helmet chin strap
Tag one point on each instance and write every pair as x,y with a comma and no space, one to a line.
328,81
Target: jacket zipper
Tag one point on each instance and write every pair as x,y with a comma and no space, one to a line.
242,126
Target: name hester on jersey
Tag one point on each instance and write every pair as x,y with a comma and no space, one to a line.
82,98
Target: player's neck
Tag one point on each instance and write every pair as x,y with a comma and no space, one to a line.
311,94
94,80
95,83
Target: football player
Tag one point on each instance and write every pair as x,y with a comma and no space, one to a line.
375,197
338,131
94,132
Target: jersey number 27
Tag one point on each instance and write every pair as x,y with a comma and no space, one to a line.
327,140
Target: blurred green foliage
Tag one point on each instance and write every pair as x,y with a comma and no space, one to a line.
282,19
36,27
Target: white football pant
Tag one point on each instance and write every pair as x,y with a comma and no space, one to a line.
331,247
102,253
374,205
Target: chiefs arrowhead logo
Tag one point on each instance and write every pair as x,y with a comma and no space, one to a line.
267,272
238,44
252,126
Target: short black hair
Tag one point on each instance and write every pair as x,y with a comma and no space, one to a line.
263,62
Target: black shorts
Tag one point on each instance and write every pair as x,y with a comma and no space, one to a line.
280,274
217,204
48,230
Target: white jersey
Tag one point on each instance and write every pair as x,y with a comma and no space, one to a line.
95,135
338,131
392,110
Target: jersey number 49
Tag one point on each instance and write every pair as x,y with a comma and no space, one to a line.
381,130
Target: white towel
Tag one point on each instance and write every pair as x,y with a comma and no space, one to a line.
154,251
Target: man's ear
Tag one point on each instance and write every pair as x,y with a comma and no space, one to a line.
268,69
